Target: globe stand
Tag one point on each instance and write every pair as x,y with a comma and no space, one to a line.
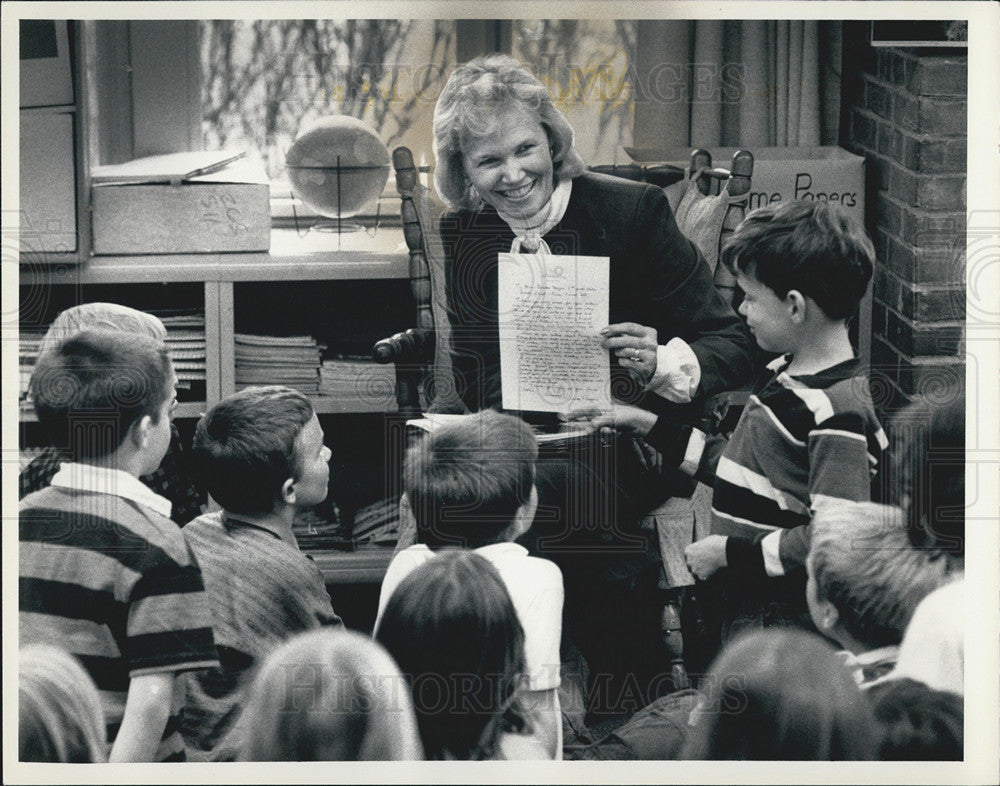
339,224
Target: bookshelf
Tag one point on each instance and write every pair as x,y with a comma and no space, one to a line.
355,285
350,268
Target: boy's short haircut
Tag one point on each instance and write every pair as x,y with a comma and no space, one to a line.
863,563
90,389
101,316
244,446
466,480
813,247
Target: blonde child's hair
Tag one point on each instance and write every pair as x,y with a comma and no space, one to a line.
328,695
101,316
60,718
863,563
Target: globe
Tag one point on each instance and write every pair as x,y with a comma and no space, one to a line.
337,165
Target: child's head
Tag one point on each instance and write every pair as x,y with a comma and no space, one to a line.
928,474
918,723
101,316
452,629
865,579
790,253
472,482
262,448
60,718
329,695
98,391
781,694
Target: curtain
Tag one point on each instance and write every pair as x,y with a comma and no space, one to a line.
737,83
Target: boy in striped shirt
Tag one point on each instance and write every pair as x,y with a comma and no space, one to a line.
104,573
808,435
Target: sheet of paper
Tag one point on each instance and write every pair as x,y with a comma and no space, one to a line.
431,421
551,308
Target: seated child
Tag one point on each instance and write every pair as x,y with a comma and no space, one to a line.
929,450
782,695
60,718
918,723
865,582
172,479
928,474
344,705
808,435
453,630
103,570
472,484
262,458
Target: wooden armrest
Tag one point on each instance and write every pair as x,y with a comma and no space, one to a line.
415,345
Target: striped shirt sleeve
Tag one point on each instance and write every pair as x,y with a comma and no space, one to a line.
839,470
169,625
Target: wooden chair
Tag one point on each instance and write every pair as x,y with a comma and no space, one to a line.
421,353
710,203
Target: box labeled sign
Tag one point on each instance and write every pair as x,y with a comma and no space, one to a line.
783,174
212,208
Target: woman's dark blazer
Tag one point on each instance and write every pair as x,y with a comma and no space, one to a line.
657,278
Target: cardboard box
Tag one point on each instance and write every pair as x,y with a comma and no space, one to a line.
150,210
781,174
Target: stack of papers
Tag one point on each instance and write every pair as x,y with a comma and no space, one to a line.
30,341
278,360
358,384
186,343
568,431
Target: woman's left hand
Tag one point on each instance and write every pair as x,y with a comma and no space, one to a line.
635,347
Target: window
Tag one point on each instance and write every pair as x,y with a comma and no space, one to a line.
585,63
262,81
161,86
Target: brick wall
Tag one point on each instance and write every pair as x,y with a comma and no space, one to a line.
907,115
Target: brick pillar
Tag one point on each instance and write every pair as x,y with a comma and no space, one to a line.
908,117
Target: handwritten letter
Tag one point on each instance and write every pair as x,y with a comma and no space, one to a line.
551,309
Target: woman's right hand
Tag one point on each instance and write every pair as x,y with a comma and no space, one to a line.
635,347
621,417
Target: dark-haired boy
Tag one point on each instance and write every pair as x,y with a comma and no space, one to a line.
808,435
261,455
471,484
104,572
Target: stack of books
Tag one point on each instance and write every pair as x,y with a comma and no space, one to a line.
278,360
186,343
30,341
357,384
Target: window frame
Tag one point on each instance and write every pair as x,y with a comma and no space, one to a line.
140,92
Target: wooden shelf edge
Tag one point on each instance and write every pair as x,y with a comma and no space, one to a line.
352,567
290,259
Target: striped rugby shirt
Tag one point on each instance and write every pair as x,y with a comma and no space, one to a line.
105,575
801,443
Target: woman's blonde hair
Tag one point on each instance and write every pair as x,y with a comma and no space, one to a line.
468,102
101,316
60,718
328,695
